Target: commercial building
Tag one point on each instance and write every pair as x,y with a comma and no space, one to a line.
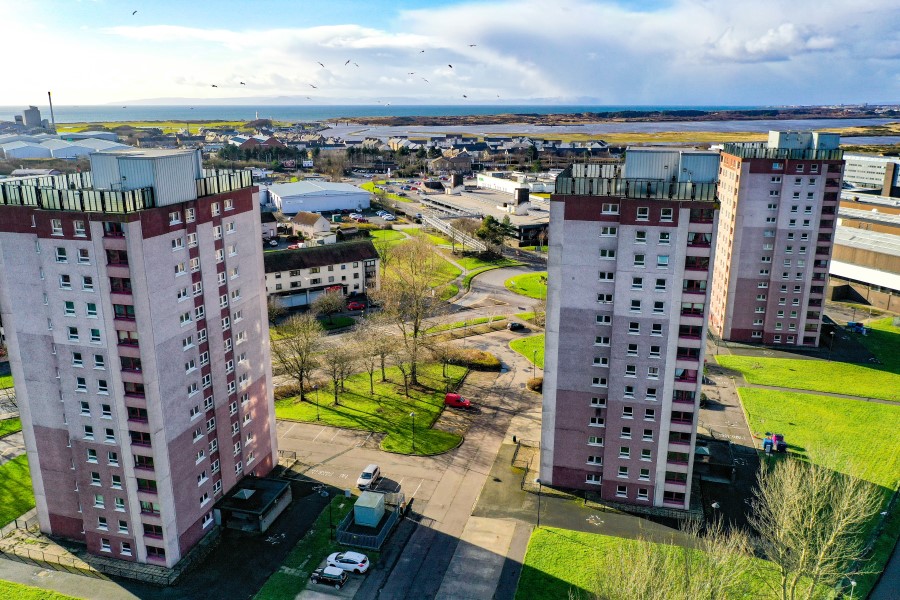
297,277
881,173
317,196
510,181
629,267
133,302
865,265
779,204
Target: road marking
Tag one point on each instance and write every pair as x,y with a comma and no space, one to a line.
363,443
318,434
289,429
335,435
417,488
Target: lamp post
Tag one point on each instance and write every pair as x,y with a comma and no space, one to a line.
540,489
316,388
534,364
852,587
413,415
831,344
325,493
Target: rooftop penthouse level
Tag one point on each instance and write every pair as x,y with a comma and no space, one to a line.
790,145
125,181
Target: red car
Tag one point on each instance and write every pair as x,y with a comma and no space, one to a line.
294,246
361,220
457,401
356,306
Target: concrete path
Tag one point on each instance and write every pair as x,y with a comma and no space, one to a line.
11,446
478,561
78,586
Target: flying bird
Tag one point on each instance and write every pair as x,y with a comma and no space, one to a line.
451,66
425,80
134,13
313,87
347,63
242,83
323,66
421,51
355,65
472,45
214,85
464,96
411,73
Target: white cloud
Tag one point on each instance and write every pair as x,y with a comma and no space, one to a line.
683,52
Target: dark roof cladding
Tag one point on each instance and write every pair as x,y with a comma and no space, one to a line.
319,256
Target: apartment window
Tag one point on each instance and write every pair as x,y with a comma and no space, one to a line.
595,441
630,371
604,319
646,454
756,334
665,237
69,309
649,414
598,382
180,269
625,434
610,209
634,327
627,412
762,285
609,231
643,213
202,478
214,209
208,403
656,329
190,215
666,214
772,206
197,288
217,232
629,391
195,264
178,243
235,294
91,309
204,498
761,297
606,275
644,475
185,318
597,422
95,478
659,307
65,282
639,260
651,393
647,436
80,384
116,482
637,283
192,239
221,278
623,473
102,387
607,254
229,227
757,322
174,217
232,250
99,502
662,261
640,237
635,306
632,350
56,226
596,460
210,424
61,255
774,193
229,204
654,351
199,313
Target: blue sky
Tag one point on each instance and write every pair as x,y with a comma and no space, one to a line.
673,52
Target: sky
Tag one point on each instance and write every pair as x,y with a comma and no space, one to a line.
652,52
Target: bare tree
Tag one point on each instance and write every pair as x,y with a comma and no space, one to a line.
409,298
444,353
811,521
372,345
275,309
467,225
337,362
329,303
295,345
711,566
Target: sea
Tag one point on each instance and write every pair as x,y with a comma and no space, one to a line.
309,113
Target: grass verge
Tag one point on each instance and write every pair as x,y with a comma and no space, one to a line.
6,381
531,348
387,410
459,324
10,426
16,495
869,381
528,284
849,436
337,323
316,545
17,591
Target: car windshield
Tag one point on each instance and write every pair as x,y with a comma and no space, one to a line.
366,476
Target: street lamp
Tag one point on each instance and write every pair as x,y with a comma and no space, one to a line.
316,388
534,364
413,415
540,489
831,345
326,493
852,587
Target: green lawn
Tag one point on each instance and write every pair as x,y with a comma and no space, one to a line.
471,261
436,239
883,340
849,436
388,410
370,187
386,235
336,322
560,561
17,591
870,381
314,547
527,347
528,284
16,495
8,426
6,381
459,324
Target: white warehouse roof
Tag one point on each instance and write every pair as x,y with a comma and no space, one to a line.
314,188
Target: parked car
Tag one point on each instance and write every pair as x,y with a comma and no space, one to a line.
370,475
349,561
354,215
356,306
330,576
296,246
457,401
514,326
389,218
361,220
273,242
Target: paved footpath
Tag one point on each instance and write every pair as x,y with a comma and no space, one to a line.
11,447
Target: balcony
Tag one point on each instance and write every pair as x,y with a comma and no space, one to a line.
822,250
696,263
816,290
815,303
686,379
693,290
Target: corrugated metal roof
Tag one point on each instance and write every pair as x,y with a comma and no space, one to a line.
865,274
884,243
869,198
869,215
299,188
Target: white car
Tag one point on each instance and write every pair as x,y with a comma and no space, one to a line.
368,477
349,561
389,218
354,215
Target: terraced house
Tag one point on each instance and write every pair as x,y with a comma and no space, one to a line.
133,301
629,271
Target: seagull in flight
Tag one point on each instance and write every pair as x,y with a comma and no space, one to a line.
242,83
313,87
355,65
451,66
323,66
472,45
134,13
464,96
347,63
214,85
425,80
411,73
421,51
